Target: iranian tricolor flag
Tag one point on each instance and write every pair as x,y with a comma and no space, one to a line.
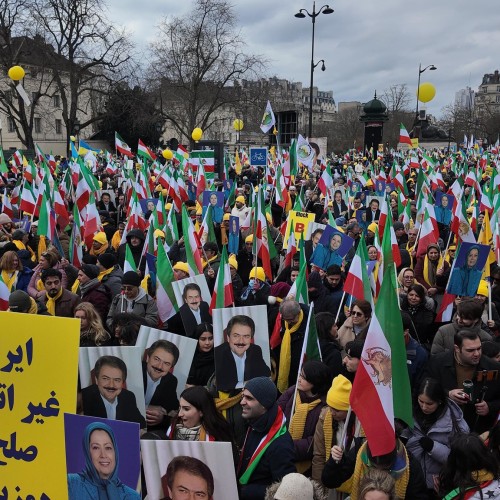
260,240
6,205
165,296
47,219
299,289
282,196
191,244
326,180
404,136
4,169
122,147
4,296
205,158
445,312
223,295
201,181
427,235
181,156
357,282
92,223
381,388
145,152
384,214
291,249
129,263
75,242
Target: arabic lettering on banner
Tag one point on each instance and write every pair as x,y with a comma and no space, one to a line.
38,380
298,222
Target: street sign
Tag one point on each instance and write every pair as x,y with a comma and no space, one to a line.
258,157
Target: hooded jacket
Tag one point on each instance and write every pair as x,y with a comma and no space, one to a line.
136,251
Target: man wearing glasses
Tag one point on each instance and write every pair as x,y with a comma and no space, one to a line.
133,299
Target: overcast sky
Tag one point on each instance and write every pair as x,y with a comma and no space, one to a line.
367,45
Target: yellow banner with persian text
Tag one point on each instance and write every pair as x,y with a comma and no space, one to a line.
38,380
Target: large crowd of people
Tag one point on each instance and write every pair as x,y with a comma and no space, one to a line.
288,419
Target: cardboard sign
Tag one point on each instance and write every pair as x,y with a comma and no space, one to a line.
298,222
38,380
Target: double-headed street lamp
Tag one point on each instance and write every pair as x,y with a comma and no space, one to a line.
302,14
431,67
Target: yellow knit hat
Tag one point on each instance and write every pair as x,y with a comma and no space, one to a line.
482,289
181,266
226,217
233,262
258,272
240,199
100,238
168,206
249,238
158,234
372,227
338,395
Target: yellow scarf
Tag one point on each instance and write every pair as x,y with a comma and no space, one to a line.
105,273
430,271
223,236
100,251
298,421
286,352
75,286
361,468
51,302
482,475
410,250
205,262
21,246
9,279
224,402
33,307
39,285
115,240
42,246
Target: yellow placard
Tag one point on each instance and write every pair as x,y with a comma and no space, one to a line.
38,381
414,143
299,221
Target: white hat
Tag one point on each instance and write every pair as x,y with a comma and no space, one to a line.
294,486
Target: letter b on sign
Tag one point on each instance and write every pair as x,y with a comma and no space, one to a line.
299,227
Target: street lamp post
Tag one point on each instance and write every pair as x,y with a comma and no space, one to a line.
302,14
431,67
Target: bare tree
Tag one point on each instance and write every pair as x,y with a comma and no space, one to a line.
196,58
396,98
17,48
89,55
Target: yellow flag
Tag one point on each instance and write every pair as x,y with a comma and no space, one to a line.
237,163
486,238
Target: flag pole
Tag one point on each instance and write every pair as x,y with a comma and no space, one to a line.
489,301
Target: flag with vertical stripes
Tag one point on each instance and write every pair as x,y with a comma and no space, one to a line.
223,295
191,244
165,296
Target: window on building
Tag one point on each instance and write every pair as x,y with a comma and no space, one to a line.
485,89
10,125
498,88
56,100
498,98
38,125
58,126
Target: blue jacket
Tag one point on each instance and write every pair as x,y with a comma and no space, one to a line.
80,488
23,279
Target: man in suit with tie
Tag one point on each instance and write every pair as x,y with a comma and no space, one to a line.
373,212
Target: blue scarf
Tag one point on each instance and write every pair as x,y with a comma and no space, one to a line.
109,489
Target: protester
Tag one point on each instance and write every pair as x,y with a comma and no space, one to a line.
13,273
92,332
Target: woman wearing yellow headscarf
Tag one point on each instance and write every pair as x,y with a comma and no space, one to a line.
432,271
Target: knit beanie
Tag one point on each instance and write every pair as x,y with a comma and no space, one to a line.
372,227
280,289
107,260
90,271
131,278
338,395
294,486
263,390
19,301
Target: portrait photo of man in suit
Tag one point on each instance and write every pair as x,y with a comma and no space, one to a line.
193,311
160,385
107,398
238,359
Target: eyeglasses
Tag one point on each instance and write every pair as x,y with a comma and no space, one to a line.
356,313
128,287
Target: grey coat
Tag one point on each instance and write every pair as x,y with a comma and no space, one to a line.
443,341
440,432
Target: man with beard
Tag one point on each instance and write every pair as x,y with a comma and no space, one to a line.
107,398
466,363
58,301
323,301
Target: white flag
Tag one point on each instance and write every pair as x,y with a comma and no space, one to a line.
305,152
268,120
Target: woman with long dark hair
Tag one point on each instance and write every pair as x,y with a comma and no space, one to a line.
331,353
471,470
198,419
437,419
421,311
203,364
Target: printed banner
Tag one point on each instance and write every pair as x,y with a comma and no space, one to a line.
299,221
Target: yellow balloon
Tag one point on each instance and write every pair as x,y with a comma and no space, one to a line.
238,124
197,134
16,73
72,138
167,154
426,92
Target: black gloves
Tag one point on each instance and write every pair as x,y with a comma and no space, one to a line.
426,443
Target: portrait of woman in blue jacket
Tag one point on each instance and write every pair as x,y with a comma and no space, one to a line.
465,279
99,480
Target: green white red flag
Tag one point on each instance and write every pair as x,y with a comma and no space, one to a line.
122,147
129,263
165,296
381,389
260,240
404,136
192,245
145,152
223,295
